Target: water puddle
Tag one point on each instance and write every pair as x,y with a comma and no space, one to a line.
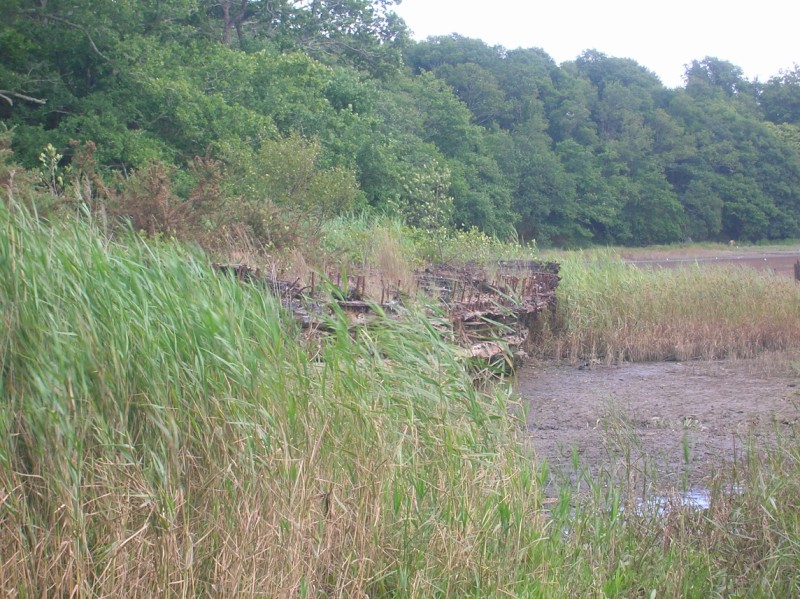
659,505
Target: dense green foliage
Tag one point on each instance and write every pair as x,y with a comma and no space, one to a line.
449,132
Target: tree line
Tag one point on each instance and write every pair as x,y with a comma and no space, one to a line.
271,116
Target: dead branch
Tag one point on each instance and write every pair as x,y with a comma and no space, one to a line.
6,95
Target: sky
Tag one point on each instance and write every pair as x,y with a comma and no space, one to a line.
759,37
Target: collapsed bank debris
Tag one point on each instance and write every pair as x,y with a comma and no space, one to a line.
495,311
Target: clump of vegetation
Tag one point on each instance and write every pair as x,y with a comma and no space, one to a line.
615,311
740,539
357,239
472,247
167,430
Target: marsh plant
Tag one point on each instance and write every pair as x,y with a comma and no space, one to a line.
166,431
615,311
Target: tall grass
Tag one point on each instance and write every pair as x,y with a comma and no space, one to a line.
613,311
746,543
362,240
166,431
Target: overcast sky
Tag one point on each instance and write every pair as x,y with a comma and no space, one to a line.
760,37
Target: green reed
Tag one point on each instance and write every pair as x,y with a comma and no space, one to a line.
167,431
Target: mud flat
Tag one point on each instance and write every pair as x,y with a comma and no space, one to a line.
666,424
779,262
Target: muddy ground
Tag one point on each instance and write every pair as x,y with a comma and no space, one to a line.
779,261
667,423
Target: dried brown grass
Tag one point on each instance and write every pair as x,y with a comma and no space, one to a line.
614,311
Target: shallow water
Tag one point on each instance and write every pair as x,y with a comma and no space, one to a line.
696,499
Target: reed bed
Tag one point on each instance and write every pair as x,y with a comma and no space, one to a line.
744,543
168,432
613,311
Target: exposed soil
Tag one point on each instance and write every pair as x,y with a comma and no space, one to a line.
668,422
781,262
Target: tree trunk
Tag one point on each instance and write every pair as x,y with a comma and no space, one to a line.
233,22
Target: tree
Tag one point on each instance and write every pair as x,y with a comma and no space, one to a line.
712,75
603,70
779,98
438,51
477,87
482,193
288,192
598,206
569,112
426,201
545,196
526,77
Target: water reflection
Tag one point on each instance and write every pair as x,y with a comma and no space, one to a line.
697,499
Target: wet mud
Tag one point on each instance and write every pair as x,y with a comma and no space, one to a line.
666,425
781,263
